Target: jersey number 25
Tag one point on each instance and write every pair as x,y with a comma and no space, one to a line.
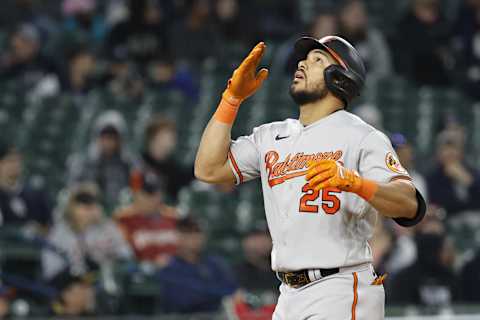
330,202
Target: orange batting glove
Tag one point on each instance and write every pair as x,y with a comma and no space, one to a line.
331,174
244,82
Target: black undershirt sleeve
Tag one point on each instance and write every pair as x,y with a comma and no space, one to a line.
421,209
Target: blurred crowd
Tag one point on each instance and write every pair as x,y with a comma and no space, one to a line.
119,206
78,45
88,231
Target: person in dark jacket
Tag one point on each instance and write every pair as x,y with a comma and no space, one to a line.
254,273
75,294
370,42
470,280
430,281
194,281
190,34
465,39
143,34
160,140
23,61
20,202
453,184
421,46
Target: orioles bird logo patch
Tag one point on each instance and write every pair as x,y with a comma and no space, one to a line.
393,164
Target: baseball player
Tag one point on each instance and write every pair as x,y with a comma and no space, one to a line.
324,178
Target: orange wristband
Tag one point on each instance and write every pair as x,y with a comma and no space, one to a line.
368,189
227,109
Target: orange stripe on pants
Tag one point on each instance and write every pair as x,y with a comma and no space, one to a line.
355,294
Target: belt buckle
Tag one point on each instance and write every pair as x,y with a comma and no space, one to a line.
295,279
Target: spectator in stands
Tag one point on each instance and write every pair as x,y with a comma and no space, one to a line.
466,35
82,24
20,202
371,114
143,35
23,60
194,281
470,279
115,11
236,24
84,239
75,295
107,161
80,77
193,37
394,247
4,301
369,41
403,251
434,221
148,224
254,273
381,244
40,14
277,19
430,281
453,184
123,78
421,45
160,140
406,155
165,74
324,23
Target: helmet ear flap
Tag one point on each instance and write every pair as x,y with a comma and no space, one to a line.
343,84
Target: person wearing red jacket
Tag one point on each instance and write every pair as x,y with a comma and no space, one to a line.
148,224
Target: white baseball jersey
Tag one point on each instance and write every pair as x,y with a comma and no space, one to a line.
309,229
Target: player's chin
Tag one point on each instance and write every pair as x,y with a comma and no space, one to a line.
298,93
296,87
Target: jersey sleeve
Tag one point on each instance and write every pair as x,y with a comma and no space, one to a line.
244,159
378,160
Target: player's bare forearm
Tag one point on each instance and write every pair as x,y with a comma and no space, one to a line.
395,199
211,163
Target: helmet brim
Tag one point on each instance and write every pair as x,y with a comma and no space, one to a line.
306,44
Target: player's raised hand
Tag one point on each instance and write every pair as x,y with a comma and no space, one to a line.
331,174
245,80
243,83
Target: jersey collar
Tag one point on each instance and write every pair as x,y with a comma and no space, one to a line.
331,117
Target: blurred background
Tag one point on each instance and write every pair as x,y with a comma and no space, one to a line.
102,104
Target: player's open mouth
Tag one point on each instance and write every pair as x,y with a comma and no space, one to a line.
299,74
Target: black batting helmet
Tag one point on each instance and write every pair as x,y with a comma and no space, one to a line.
344,80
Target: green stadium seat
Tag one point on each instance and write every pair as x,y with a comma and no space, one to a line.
19,255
